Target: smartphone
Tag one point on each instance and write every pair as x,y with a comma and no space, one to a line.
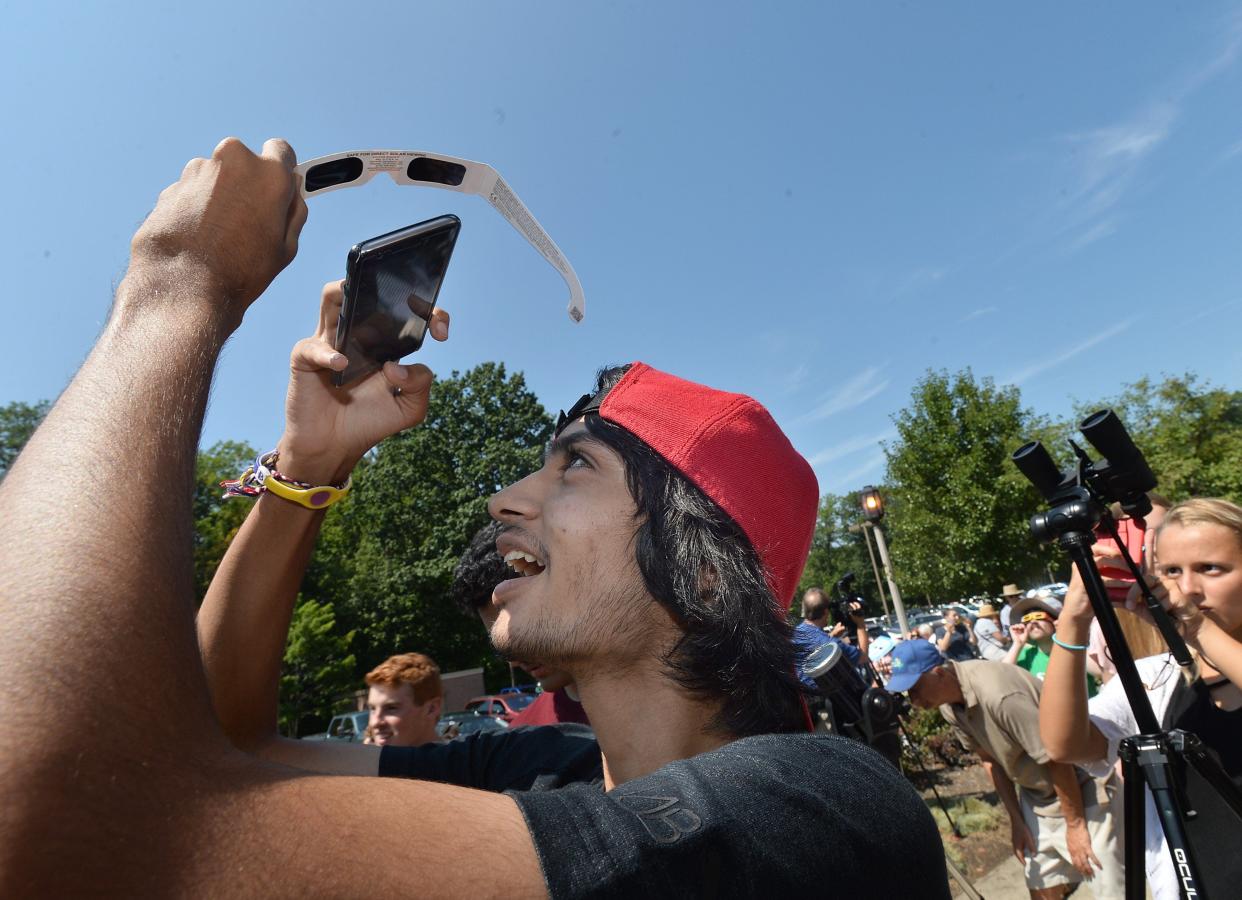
1133,533
391,285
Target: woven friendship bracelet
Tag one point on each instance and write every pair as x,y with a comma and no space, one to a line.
263,477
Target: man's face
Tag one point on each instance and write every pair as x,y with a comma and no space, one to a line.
1039,629
551,679
933,689
581,602
396,720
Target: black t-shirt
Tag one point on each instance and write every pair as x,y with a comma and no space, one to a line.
771,815
521,759
1219,730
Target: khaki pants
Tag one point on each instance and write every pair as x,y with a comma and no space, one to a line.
1051,866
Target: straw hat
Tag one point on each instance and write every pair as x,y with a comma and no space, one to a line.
988,611
1012,590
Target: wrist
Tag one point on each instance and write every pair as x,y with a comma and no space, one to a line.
313,468
177,286
1073,631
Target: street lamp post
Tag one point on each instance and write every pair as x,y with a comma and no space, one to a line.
873,511
865,529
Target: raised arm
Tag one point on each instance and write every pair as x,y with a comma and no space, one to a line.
147,797
244,620
1064,726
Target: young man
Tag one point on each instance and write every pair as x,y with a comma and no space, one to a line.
475,578
1064,826
404,698
667,530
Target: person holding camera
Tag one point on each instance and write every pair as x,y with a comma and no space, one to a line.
659,547
1198,567
813,632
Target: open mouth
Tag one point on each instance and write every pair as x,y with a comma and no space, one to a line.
523,563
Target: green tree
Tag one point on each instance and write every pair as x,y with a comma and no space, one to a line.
958,509
1191,434
18,422
388,556
318,667
216,519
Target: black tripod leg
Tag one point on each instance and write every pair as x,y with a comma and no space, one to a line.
1152,757
1135,827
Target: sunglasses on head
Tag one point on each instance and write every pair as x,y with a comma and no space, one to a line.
1036,615
325,174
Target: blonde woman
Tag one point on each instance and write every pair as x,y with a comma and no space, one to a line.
1198,567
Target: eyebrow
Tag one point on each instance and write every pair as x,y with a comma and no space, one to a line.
566,442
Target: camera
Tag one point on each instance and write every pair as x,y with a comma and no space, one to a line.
842,602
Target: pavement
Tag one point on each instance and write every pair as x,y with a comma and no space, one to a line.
1005,882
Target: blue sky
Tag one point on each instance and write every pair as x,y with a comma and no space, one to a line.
812,203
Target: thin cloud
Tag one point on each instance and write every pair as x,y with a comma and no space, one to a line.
850,447
1096,232
854,393
1024,375
1110,158
977,314
1231,151
852,477
797,379
1211,311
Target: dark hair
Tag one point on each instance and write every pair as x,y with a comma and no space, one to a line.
814,604
478,571
736,644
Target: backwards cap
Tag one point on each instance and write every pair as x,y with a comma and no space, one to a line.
729,447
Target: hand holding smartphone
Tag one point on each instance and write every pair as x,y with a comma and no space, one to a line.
391,285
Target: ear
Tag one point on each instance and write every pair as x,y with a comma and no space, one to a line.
432,707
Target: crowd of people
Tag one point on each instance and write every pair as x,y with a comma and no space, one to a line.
643,573
1041,704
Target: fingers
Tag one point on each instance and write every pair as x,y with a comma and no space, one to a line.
439,325
330,301
297,218
277,149
414,381
314,355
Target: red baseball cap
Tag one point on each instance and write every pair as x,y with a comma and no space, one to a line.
731,448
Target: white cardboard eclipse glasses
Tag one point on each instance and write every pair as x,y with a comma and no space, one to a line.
345,170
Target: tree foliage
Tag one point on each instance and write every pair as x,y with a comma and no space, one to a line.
1191,434
216,519
18,422
957,507
318,667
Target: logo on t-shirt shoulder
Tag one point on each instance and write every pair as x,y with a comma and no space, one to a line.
665,818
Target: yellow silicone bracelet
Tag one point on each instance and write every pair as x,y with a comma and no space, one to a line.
313,497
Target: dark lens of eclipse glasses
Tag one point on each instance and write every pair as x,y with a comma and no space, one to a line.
330,174
436,171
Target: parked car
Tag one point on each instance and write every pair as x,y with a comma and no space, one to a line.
470,723
350,727
505,706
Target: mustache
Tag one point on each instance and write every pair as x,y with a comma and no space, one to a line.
527,538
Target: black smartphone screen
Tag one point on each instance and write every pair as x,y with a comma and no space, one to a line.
390,290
